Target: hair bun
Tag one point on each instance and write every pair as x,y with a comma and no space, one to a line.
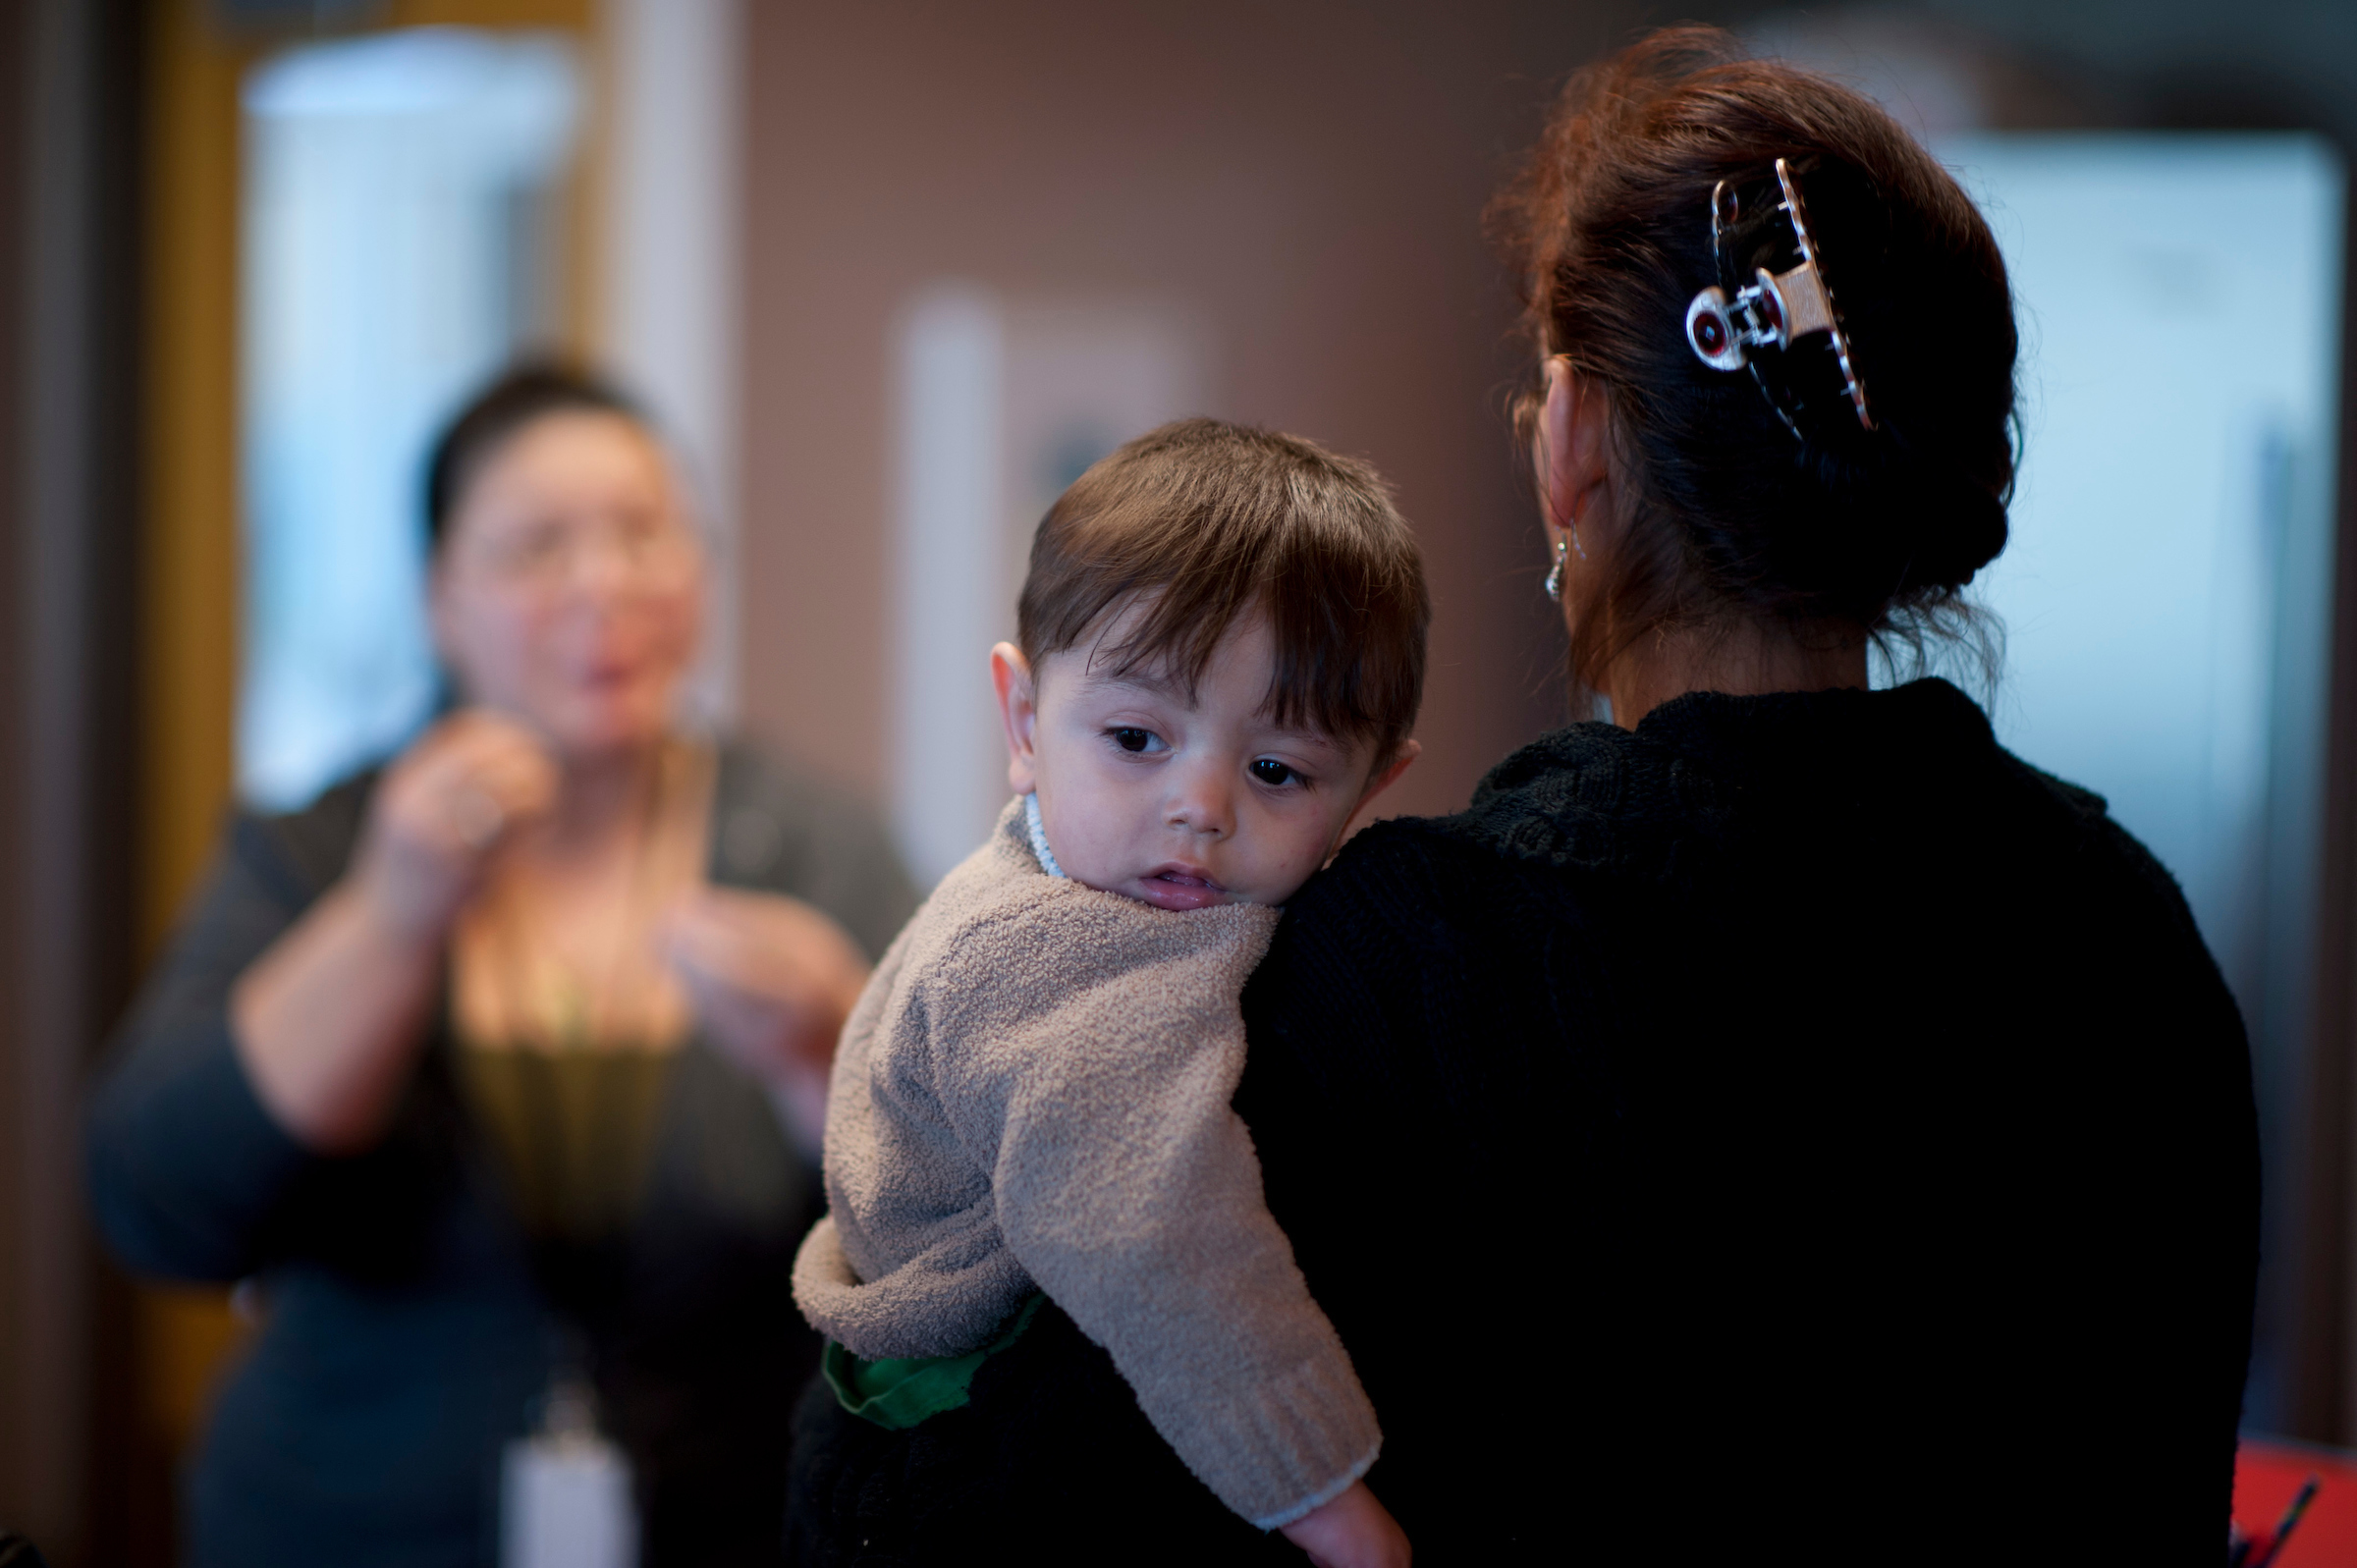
1933,538
1959,536
1612,222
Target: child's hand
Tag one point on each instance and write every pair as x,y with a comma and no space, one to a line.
1353,1531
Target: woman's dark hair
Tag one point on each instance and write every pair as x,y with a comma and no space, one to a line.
1730,516
521,395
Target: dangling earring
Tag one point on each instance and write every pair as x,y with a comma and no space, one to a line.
1555,573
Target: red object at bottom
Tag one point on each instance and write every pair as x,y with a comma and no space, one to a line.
2268,1473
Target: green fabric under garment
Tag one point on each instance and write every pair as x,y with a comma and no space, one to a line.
897,1392
575,1132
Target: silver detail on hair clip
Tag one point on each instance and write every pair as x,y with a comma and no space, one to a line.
1778,308
1824,291
1711,328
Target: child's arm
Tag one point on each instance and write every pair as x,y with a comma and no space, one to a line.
1128,1190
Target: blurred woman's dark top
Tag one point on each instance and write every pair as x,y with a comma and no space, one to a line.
1793,1128
410,1316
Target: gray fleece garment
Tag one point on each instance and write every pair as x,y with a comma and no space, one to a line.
1033,1094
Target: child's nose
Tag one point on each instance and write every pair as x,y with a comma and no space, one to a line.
1201,802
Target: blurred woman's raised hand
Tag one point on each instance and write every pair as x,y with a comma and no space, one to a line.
444,807
772,979
329,1018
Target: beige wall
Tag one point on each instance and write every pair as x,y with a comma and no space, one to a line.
1308,178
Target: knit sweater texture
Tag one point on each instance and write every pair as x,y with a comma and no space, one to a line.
1793,1128
1033,1094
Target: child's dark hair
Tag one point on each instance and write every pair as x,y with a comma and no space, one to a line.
496,414
1202,522
1729,515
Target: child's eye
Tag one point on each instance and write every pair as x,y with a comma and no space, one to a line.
1132,739
1275,775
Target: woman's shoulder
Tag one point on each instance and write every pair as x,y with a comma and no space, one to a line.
1596,817
1570,800
300,852
1710,779
2084,844
1590,799
1411,904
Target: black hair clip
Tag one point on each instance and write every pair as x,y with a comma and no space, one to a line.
1735,325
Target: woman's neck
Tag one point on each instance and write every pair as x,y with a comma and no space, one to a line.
1749,659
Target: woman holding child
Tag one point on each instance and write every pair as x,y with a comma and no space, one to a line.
499,1069
1776,1121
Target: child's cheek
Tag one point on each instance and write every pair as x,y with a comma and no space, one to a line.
1304,852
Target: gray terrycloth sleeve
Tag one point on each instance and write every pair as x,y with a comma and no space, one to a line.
1130,1190
946,1293
966,1275
952,1279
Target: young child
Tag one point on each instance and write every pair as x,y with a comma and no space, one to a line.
1222,654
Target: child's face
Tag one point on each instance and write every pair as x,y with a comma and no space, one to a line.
1180,801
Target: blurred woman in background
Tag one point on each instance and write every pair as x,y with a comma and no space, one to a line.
507,1061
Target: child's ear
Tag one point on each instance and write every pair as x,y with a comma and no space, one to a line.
1381,780
1019,709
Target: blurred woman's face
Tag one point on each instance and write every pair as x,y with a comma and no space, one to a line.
569,590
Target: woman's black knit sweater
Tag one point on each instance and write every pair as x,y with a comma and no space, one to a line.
1794,1128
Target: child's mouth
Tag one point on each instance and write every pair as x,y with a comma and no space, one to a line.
1181,886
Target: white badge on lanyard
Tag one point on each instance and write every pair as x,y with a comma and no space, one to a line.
565,1492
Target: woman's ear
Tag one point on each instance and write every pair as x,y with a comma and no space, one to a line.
1573,444
1019,710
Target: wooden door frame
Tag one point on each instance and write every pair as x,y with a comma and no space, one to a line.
68,514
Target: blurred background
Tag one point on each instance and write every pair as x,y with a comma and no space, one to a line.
892,274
